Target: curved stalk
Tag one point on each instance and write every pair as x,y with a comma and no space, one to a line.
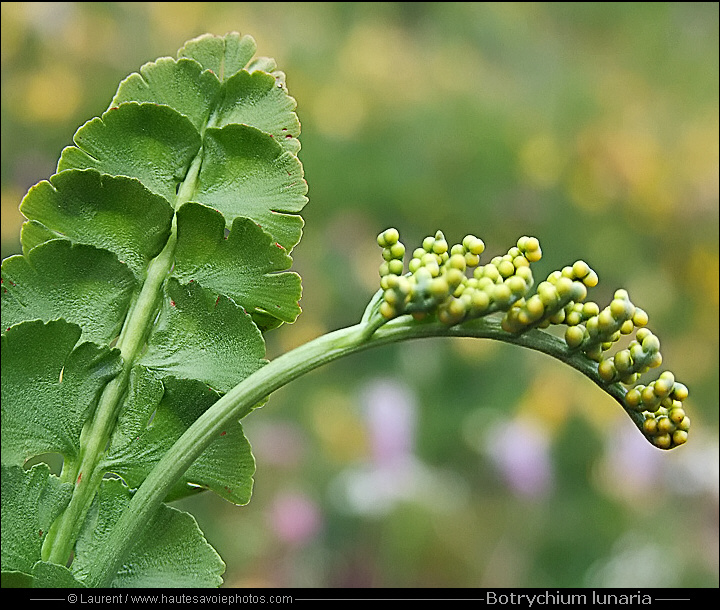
239,401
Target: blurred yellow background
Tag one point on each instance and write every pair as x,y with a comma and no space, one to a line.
594,127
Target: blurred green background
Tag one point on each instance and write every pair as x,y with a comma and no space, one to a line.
593,126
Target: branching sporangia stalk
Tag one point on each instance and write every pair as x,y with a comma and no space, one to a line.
219,139
437,298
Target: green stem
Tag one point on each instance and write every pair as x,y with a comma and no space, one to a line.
94,439
239,401
85,475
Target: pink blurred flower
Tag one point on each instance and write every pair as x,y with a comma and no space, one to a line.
390,414
520,452
295,518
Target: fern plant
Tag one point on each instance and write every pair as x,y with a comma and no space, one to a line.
153,262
